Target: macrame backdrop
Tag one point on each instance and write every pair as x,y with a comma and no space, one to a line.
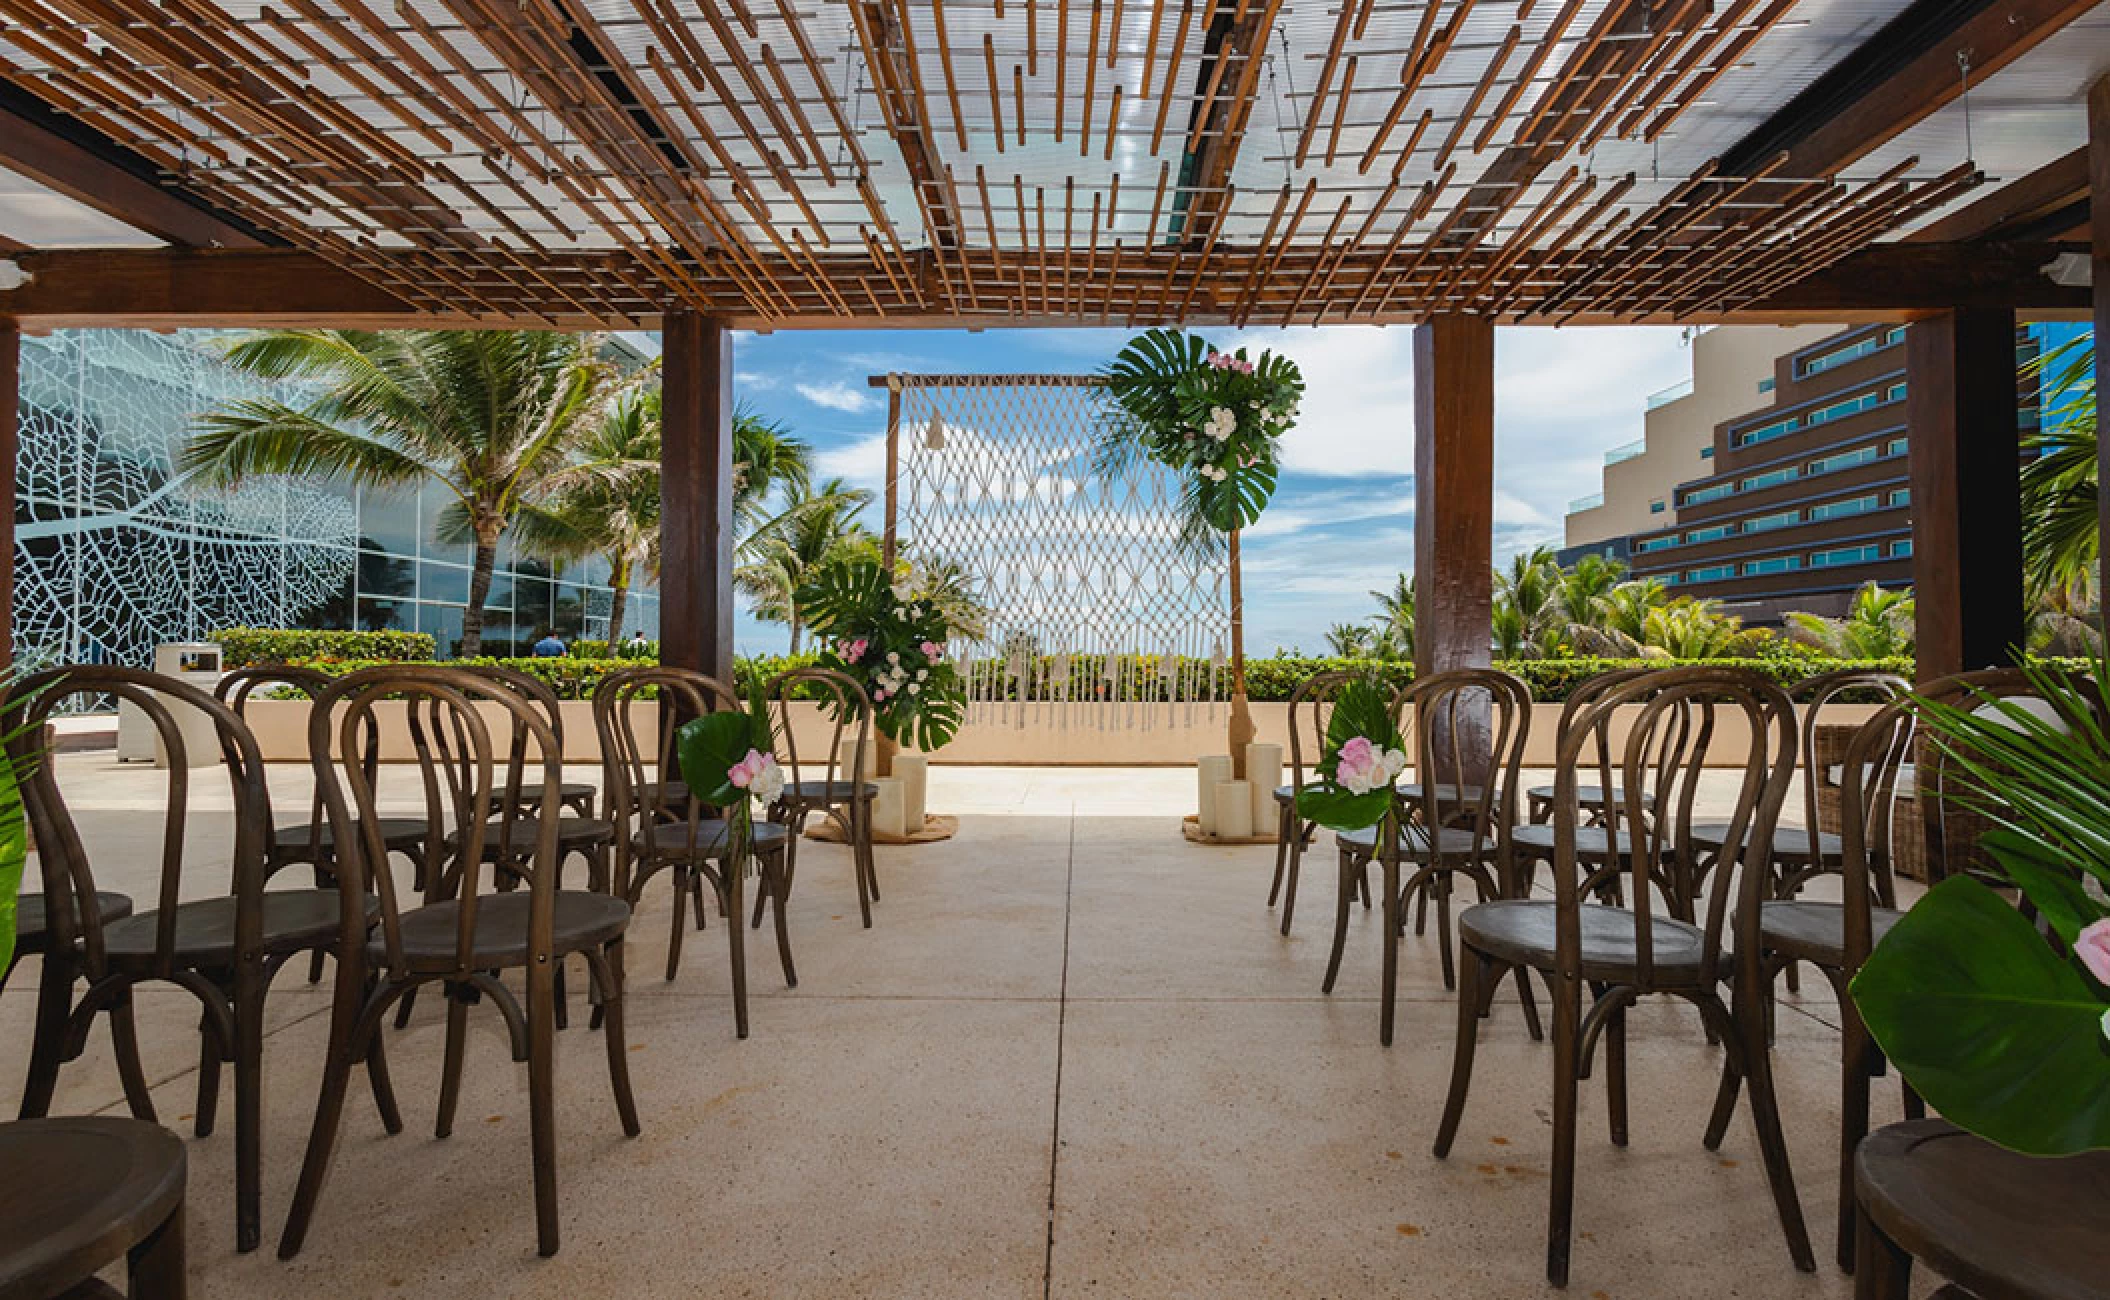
1091,598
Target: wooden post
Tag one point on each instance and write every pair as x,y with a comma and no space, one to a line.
1966,489
889,543
2099,257
1454,493
10,447
1454,513
696,495
1242,728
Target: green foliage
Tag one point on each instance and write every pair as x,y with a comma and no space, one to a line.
2059,488
14,857
242,647
816,527
1216,417
1999,1030
571,677
883,631
1877,625
709,746
1363,708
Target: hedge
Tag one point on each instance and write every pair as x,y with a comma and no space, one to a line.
242,647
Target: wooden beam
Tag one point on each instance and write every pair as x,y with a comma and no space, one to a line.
696,495
2099,264
1910,277
1966,490
61,154
2024,204
10,447
1896,79
1454,492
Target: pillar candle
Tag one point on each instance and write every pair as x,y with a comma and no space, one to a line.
1263,771
913,771
1212,771
1234,810
887,810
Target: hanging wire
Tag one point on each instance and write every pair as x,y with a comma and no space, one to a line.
1963,72
1282,133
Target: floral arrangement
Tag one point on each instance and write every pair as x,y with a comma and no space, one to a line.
1363,759
2004,1031
1218,415
885,631
727,758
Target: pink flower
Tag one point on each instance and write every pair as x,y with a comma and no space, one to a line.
1362,765
931,649
854,650
2092,946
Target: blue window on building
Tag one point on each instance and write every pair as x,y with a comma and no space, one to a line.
1845,555
1854,351
1839,410
1655,507
1845,509
1844,459
1773,564
1901,550
1655,544
1713,573
1715,492
1778,519
1706,453
1768,432
1772,478
1714,534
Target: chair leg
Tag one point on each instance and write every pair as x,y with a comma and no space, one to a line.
681,902
1567,1064
1475,969
124,1041
864,847
47,1042
1748,1031
775,885
607,967
403,1006
377,1080
1388,995
1285,831
1440,882
737,944
1858,1057
211,1051
1530,1004
1615,1072
249,1107
1344,889
348,1002
451,1063
542,1113
860,849
1289,885
1882,1271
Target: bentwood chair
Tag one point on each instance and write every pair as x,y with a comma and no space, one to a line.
223,950
1602,958
579,833
1468,729
1308,706
467,939
576,796
1589,798
661,827
842,795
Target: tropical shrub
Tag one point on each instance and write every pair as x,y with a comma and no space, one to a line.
881,632
242,647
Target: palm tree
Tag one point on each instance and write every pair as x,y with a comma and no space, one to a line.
1584,587
608,504
1395,619
1622,612
1350,641
766,457
1878,625
1526,605
2059,541
487,416
1691,629
814,528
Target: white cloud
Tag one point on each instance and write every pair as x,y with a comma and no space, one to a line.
754,380
838,396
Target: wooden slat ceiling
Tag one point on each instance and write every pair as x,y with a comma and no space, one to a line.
777,162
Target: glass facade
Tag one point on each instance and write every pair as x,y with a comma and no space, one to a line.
117,551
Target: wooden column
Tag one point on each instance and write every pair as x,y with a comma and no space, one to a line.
2099,255
1454,493
10,447
696,495
1966,489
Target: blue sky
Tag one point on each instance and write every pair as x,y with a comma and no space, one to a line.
1342,522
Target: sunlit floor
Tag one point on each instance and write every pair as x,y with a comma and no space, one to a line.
1073,1056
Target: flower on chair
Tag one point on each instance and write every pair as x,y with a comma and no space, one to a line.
759,775
1364,757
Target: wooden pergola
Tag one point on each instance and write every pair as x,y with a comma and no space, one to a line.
1454,165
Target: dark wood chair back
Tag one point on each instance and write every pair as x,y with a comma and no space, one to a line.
643,780
464,768
68,876
1874,762
848,710
1307,719
237,689
1674,724
1819,697
1467,729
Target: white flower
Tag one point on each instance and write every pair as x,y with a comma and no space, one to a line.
768,783
915,689
1395,762
922,674
893,656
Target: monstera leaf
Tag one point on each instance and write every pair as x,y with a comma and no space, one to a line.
1999,1032
843,594
1363,708
930,726
1237,500
1144,378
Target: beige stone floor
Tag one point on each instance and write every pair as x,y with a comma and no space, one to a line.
1073,1057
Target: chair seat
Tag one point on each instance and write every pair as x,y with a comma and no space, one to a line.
1816,931
397,833
431,935
1591,842
1586,796
31,922
818,793
531,795
1452,841
1521,931
293,919
571,832
1788,841
671,839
